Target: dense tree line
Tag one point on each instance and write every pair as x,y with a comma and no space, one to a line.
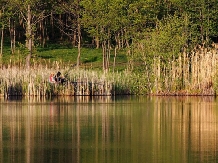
144,28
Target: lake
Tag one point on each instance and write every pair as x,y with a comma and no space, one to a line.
121,129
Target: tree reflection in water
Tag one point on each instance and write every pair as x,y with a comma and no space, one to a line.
108,129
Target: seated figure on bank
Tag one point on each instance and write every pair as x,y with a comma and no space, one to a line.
58,78
52,78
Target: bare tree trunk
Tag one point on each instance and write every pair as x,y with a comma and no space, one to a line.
74,38
2,35
129,66
78,33
42,33
2,38
122,38
115,55
29,37
108,52
61,27
52,25
202,26
118,40
79,43
97,42
12,35
14,38
104,55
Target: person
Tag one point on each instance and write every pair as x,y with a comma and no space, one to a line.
52,78
59,78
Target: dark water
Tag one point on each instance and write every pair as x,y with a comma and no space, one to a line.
113,130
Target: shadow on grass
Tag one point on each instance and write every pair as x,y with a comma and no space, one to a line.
88,60
45,57
53,47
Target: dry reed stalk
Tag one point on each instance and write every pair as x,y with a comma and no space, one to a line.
192,73
204,72
157,75
199,79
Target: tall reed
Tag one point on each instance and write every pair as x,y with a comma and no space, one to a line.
16,80
192,73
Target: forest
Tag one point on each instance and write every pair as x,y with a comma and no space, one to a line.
170,46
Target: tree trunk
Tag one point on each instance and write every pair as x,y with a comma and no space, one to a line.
14,38
105,52
108,51
78,33
79,43
104,55
61,26
129,65
52,25
97,42
29,37
2,38
12,35
74,38
2,34
115,55
118,40
42,33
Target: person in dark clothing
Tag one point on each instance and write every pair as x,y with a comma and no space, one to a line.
59,78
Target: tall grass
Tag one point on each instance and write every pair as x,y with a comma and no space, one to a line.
19,81
192,73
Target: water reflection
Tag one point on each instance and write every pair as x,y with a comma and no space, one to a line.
109,129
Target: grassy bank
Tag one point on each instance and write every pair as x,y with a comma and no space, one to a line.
91,58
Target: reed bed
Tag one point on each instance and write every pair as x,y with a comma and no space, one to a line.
192,73
17,81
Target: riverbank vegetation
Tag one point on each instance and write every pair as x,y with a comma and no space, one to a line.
109,47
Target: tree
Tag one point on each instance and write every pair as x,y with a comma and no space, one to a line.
4,17
73,11
203,19
2,29
32,11
97,22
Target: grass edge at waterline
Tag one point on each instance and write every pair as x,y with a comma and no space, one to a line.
15,81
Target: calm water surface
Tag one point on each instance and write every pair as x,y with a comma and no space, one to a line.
108,129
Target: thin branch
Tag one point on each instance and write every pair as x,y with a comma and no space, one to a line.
41,17
23,16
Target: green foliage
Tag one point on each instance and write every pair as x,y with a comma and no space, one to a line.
130,83
203,19
5,13
170,36
165,41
